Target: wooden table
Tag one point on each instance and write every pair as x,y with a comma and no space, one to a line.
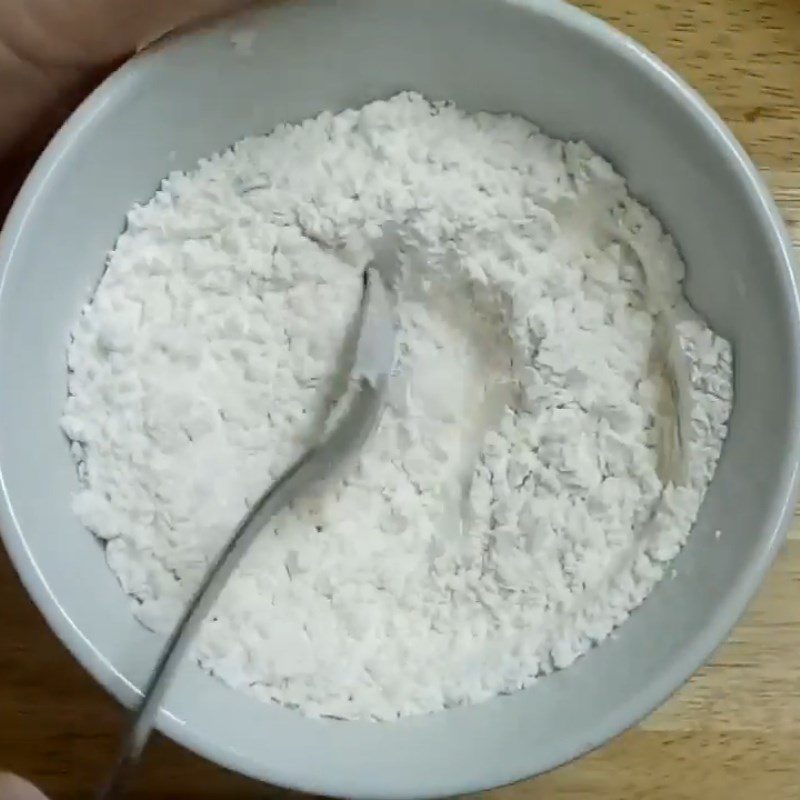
733,732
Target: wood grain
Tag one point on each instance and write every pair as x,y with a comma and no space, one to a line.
732,732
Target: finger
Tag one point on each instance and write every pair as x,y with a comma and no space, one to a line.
52,51
90,32
198,14
14,788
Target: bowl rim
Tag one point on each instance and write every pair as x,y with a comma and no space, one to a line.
687,661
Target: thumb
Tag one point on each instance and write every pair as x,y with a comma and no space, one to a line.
14,788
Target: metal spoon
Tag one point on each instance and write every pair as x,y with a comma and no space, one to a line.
373,360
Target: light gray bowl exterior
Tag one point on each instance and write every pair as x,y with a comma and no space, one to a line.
575,77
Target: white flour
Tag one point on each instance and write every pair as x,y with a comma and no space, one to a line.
207,359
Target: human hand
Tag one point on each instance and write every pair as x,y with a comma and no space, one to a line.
14,788
52,52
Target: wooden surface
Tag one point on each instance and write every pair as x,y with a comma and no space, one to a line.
733,732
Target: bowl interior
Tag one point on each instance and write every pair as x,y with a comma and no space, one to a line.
574,78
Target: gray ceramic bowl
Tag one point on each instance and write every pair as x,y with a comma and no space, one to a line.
576,78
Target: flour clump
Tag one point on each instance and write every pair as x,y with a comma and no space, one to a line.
507,515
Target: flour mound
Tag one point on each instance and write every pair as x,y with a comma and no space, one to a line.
506,516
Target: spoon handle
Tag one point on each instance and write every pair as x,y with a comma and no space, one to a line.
346,439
